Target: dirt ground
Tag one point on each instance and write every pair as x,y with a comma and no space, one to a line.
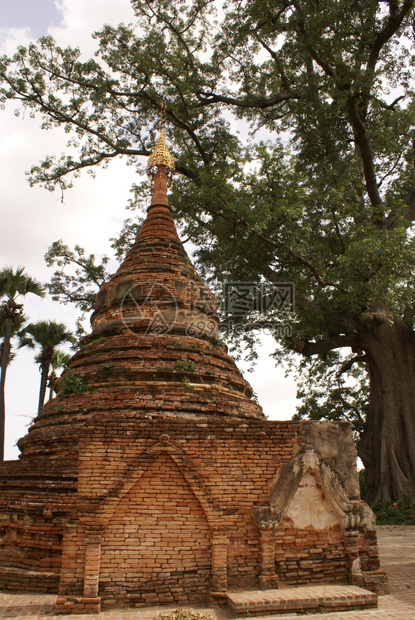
397,556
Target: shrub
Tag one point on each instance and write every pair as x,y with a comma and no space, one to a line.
186,365
99,340
73,384
399,513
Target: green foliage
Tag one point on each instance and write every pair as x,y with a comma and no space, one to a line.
99,340
14,283
399,513
334,388
254,397
187,385
219,342
78,277
186,364
46,336
73,384
17,324
327,207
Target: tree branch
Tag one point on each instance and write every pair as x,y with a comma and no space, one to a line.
347,365
321,281
322,62
335,341
209,98
365,149
396,18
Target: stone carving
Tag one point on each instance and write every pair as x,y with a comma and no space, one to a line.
286,485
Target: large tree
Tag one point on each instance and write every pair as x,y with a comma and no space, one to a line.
14,284
326,200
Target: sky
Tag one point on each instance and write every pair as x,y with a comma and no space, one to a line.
91,212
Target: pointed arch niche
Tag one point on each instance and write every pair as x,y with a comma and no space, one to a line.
309,516
158,537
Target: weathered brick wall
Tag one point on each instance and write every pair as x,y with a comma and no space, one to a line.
156,547
35,503
173,484
163,513
310,555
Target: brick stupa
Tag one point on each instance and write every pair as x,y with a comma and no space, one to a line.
154,478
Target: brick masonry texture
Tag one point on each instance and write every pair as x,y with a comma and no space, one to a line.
156,479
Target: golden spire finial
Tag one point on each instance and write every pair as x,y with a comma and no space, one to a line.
161,155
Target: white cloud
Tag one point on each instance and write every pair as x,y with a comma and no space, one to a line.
80,19
11,38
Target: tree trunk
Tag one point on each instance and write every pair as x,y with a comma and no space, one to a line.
387,444
44,371
4,364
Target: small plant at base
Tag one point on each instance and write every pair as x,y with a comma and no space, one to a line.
184,614
73,384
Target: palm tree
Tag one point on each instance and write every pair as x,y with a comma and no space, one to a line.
60,359
46,336
17,326
13,284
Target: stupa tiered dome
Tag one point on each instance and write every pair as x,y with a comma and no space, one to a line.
154,347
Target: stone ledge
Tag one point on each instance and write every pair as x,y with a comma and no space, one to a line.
376,581
300,599
77,605
21,579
